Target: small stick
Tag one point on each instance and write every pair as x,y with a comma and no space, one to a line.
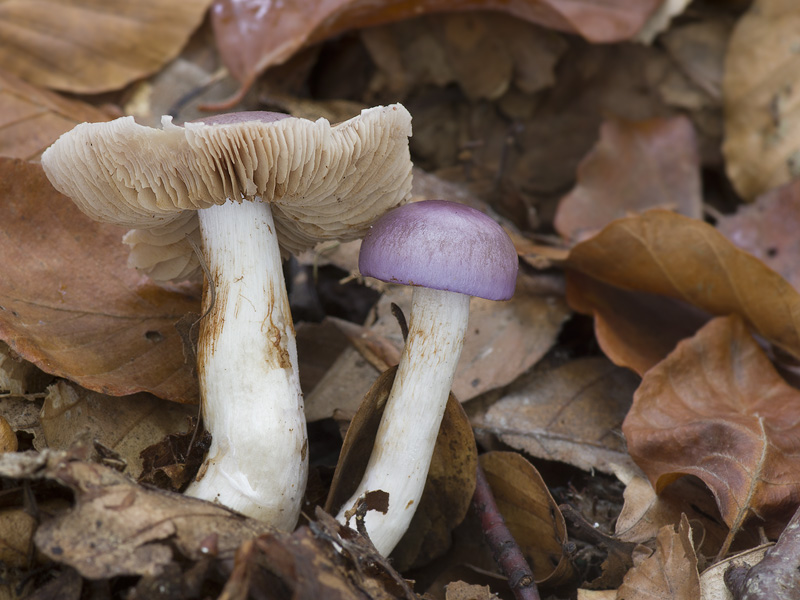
504,548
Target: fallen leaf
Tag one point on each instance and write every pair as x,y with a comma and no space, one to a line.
126,424
322,560
531,514
777,575
635,166
32,118
712,584
448,488
767,229
717,409
17,376
252,36
22,415
459,590
8,438
70,304
171,463
762,122
671,572
43,42
644,513
484,53
663,253
634,329
120,528
570,414
699,49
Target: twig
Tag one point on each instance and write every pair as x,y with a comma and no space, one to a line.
504,548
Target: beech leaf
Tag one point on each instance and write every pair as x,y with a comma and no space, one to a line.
70,304
671,572
114,43
716,408
252,36
32,118
634,166
663,253
761,121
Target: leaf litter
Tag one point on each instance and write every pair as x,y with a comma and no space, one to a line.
680,356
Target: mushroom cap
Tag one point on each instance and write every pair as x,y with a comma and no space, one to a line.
441,245
324,182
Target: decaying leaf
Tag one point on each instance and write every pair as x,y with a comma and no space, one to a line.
777,576
635,329
448,489
32,118
253,36
120,528
43,42
671,572
8,439
322,560
70,304
572,414
17,376
717,409
635,166
645,513
127,424
768,228
664,253
762,122
531,514
485,53
712,580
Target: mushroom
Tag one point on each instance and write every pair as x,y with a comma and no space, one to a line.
232,183
448,252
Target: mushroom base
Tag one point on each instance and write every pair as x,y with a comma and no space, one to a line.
409,427
247,364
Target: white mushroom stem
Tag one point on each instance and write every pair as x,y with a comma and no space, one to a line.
407,434
247,364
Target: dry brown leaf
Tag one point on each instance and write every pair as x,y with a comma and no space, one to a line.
699,48
16,537
531,514
8,438
32,118
120,528
459,590
633,167
113,44
663,253
448,488
70,304
255,35
713,586
485,53
570,414
671,572
17,376
645,512
635,329
322,560
22,415
127,425
762,119
717,409
767,229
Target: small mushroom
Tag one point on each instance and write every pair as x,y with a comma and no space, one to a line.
448,252
261,182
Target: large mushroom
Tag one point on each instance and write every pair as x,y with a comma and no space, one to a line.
448,252
244,185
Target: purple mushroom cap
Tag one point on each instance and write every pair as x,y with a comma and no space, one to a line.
441,245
